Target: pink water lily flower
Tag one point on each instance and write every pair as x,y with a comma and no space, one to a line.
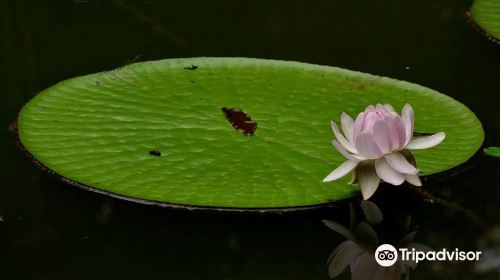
376,147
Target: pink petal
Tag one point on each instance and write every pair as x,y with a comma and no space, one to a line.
382,135
413,179
341,171
408,120
387,173
400,164
398,126
366,147
369,108
348,146
347,126
426,142
344,152
358,123
396,132
382,108
369,121
367,179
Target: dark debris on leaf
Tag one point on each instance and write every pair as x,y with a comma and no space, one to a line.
192,67
155,153
240,120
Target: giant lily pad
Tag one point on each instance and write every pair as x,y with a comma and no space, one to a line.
156,131
486,13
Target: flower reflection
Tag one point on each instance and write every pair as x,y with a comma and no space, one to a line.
357,251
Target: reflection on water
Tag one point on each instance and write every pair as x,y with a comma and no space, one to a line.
357,252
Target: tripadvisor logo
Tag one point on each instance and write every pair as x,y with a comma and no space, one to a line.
387,255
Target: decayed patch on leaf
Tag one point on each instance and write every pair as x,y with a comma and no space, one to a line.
240,120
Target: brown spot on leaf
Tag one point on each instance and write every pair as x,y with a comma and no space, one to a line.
192,67
240,120
362,87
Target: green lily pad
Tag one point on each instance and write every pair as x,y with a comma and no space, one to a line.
155,131
492,151
486,13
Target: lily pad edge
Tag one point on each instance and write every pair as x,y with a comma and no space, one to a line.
478,27
277,210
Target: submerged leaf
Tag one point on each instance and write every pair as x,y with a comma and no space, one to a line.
492,151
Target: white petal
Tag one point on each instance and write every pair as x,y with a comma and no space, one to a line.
400,164
341,171
369,108
365,267
426,142
408,119
409,157
387,173
348,146
346,244
340,229
413,179
372,213
343,258
366,147
382,108
390,108
367,179
365,234
347,126
344,152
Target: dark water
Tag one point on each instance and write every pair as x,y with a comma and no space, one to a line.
54,231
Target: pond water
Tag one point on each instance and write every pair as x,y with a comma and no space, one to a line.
50,230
